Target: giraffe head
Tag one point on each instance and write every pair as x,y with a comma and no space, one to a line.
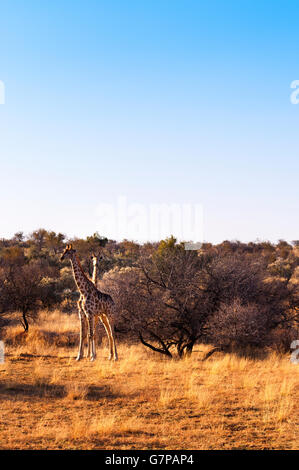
95,258
68,252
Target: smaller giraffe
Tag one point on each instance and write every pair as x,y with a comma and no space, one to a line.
95,271
92,304
82,318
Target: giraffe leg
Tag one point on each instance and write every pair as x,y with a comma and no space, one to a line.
90,323
108,335
91,347
82,330
108,324
88,354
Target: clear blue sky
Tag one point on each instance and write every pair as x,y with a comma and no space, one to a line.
159,101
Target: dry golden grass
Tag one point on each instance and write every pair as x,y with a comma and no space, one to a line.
50,401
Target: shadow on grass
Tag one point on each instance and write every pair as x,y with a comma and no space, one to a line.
96,393
17,391
43,338
24,356
40,390
244,353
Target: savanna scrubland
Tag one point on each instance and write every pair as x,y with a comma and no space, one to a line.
203,340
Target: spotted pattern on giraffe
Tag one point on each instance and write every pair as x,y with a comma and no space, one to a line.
92,305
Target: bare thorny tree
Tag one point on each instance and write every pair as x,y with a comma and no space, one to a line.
26,288
174,298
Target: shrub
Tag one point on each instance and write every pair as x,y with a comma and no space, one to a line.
236,325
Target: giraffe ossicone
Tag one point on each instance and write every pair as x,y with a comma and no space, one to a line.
92,304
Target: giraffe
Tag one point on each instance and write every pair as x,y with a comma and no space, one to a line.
94,279
82,316
92,305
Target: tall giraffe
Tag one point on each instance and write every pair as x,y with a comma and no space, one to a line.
92,304
82,317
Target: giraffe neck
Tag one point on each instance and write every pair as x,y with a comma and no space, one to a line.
83,283
94,273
